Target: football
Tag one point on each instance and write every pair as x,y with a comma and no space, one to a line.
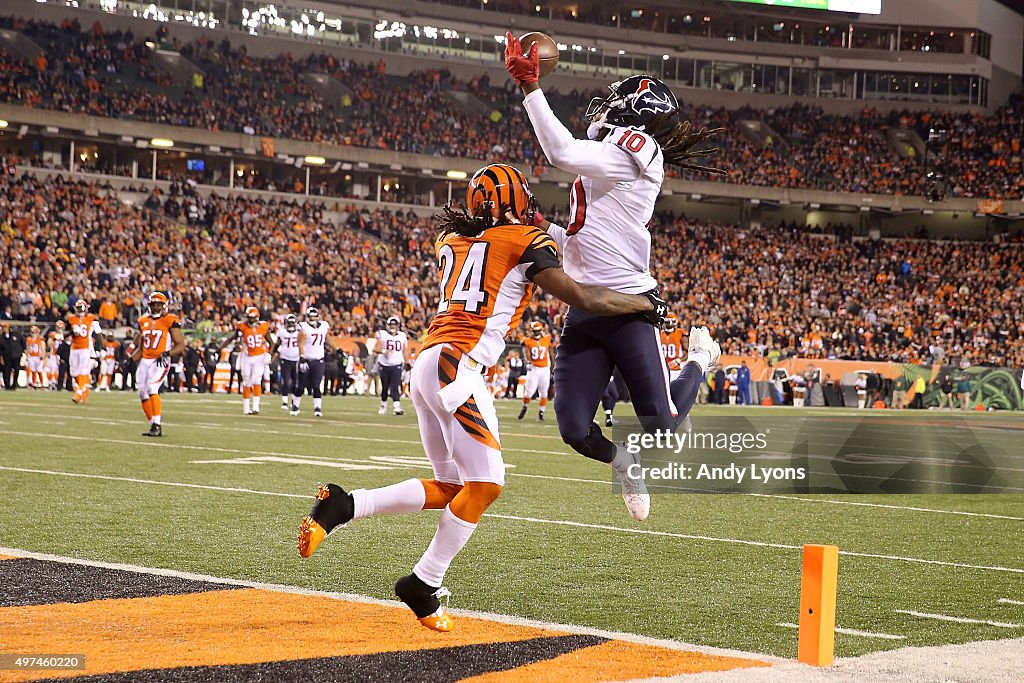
547,50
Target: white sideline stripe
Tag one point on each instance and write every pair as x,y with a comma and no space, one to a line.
365,599
1008,601
959,620
518,474
852,632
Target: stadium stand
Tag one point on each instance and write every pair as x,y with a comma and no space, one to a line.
782,290
109,74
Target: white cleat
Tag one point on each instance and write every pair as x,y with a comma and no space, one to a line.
703,349
634,492
382,411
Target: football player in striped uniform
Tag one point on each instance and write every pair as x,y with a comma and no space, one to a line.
489,258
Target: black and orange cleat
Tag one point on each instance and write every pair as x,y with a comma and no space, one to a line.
425,602
333,509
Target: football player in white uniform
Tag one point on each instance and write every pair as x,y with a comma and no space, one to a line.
392,349
633,133
286,345
314,338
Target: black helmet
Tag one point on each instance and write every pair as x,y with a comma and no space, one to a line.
633,101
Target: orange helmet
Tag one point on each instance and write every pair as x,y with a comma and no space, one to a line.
497,189
671,322
537,328
157,302
252,312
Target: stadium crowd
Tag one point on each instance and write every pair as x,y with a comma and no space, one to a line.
110,74
772,291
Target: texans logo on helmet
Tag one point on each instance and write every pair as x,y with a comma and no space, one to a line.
647,100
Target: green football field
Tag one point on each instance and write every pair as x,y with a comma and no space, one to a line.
222,494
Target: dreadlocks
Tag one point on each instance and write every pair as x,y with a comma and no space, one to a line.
460,222
677,141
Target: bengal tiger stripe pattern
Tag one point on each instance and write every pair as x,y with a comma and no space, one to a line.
468,414
499,188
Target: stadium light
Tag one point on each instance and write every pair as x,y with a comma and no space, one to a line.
457,175
161,142
315,161
3,123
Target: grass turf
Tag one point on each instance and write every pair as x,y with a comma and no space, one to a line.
529,558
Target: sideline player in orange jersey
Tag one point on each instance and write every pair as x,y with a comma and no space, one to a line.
35,350
672,346
158,341
256,340
538,378
83,326
489,258
108,362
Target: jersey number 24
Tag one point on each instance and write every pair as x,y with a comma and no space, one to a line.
468,286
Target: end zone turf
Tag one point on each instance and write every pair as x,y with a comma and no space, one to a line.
137,623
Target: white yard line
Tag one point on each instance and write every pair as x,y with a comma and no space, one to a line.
229,489
1008,601
539,520
959,620
886,506
518,474
763,544
852,632
216,449
417,443
352,597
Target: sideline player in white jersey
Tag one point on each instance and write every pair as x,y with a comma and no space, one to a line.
286,346
392,349
633,133
314,339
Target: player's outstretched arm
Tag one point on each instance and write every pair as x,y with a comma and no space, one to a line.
599,300
584,157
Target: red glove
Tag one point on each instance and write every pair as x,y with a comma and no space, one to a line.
538,219
523,68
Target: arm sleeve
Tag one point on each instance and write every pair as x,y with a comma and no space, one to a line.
584,157
558,234
541,253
